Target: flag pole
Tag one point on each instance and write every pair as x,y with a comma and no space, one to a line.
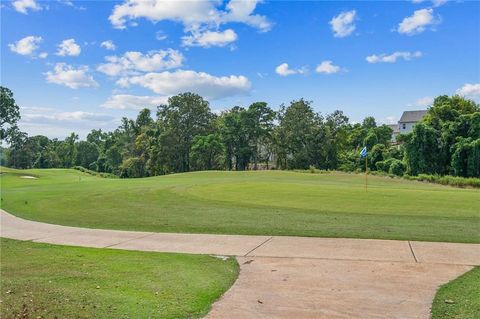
366,174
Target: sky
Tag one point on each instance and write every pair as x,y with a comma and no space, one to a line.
83,65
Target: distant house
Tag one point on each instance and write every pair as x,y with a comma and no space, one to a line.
406,123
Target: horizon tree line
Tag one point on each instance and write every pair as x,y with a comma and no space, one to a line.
186,135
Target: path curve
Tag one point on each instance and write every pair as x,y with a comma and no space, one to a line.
294,277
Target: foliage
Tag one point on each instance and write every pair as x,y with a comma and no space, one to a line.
186,135
9,114
94,173
447,180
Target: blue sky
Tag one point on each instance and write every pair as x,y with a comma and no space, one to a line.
80,65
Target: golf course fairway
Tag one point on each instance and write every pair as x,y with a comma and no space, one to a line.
254,202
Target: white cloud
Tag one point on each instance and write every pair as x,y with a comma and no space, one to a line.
74,78
392,58
424,101
328,67
471,90
284,70
343,24
160,36
66,116
192,14
26,46
23,6
208,86
210,38
436,3
108,45
418,22
68,47
43,55
132,62
133,102
391,119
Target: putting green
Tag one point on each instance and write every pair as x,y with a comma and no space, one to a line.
264,202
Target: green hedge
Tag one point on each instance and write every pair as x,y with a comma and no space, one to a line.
446,180
94,173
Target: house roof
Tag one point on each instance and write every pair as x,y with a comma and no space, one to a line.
412,116
394,127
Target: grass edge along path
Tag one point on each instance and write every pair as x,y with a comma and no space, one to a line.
53,281
460,298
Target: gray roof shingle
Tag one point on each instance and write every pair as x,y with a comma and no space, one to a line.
412,116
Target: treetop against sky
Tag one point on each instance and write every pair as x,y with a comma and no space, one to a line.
82,65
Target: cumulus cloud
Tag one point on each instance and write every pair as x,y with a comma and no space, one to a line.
392,58
23,6
55,123
108,45
26,46
133,102
424,101
343,24
192,14
285,70
67,75
327,67
68,47
418,22
209,86
436,3
134,62
208,39
470,90
43,55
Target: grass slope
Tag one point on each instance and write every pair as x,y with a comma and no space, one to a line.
49,281
464,292
267,203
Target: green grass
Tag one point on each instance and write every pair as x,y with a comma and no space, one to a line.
464,292
50,281
262,202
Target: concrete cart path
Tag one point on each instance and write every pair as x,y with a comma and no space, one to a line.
294,277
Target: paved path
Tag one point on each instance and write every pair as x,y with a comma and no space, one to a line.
294,277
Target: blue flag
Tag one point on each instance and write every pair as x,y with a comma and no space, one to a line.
363,152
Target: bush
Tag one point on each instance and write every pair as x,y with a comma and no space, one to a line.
312,169
446,180
93,173
397,168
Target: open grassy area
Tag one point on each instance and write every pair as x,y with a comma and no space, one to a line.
49,281
262,202
462,296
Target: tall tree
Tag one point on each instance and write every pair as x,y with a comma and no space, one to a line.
9,114
185,116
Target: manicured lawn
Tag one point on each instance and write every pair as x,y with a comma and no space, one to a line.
267,203
49,281
462,296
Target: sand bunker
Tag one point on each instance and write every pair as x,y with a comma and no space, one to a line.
29,177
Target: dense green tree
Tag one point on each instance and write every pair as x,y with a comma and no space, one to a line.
207,152
86,153
9,114
185,116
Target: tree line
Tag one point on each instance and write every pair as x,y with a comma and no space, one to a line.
185,135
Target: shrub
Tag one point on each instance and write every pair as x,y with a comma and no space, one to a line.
397,168
93,173
446,180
